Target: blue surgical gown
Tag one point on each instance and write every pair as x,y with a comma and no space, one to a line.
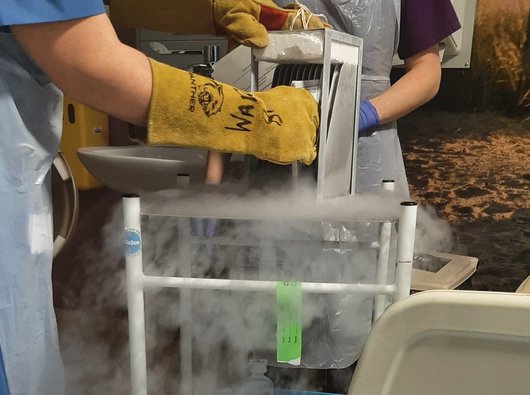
30,130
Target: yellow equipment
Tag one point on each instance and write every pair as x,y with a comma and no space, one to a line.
82,127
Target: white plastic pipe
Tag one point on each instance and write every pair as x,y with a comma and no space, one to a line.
135,294
388,185
255,285
254,75
137,281
185,312
405,248
383,256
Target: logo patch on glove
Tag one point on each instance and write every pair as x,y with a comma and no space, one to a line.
209,95
211,98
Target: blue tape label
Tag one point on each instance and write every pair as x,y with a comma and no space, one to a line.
132,242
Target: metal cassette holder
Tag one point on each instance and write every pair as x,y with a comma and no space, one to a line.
334,60
338,55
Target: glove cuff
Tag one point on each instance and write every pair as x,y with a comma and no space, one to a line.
368,118
196,112
272,18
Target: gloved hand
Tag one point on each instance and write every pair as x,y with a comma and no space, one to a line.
238,18
246,21
368,118
192,111
204,226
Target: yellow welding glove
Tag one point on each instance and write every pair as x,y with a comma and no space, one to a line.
189,110
246,21
238,19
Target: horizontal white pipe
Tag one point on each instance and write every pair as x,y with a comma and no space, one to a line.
254,285
242,242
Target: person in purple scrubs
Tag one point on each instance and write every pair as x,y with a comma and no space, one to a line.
412,29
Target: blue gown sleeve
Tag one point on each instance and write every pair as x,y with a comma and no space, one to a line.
17,12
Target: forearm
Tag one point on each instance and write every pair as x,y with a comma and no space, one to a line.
85,59
418,85
214,168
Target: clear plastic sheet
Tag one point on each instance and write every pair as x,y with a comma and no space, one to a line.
350,16
293,47
243,323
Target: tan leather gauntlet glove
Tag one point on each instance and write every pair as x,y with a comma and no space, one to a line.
246,21
189,110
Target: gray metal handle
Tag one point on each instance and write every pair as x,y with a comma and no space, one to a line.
210,52
161,49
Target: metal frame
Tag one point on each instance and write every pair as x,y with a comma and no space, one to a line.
458,46
337,47
137,282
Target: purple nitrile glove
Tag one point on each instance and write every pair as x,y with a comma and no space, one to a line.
368,118
204,226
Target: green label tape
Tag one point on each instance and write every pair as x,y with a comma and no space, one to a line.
289,322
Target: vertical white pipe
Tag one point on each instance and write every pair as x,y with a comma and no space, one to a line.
254,74
383,256
405,248
295,174
135,293
185,313
388,185
183,260
324,114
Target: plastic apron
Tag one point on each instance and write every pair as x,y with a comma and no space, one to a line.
379,154
337,340
30,128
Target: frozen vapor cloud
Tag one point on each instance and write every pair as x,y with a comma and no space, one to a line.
288,237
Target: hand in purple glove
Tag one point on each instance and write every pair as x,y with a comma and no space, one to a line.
368,118
204,226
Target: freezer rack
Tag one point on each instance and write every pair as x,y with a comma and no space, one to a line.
330,49
383,290
338,53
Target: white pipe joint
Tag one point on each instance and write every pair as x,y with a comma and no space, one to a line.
388,185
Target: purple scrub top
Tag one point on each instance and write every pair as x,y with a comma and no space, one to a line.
425,23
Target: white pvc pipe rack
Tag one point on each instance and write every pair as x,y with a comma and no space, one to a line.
137,282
